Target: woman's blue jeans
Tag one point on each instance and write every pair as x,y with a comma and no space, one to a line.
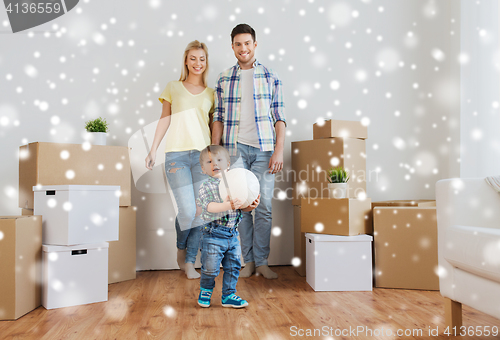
184,176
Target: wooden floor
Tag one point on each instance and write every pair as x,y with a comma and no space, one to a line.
162,305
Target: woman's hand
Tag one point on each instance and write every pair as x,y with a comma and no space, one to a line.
150,160
199,210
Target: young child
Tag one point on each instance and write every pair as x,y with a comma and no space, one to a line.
219,243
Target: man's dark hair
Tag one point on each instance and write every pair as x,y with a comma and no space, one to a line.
242,29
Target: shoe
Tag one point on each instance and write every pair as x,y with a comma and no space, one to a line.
234,301
204,297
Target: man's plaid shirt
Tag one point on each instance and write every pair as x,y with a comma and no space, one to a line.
209,192
269,105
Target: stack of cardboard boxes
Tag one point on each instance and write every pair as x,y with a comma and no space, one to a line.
83,164
335,143
62,164
78,220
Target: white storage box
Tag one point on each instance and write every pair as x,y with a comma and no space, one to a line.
339,263
75,275
76,214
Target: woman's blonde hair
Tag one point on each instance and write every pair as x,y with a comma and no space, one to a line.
194,45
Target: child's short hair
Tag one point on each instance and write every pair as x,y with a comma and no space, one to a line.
213,149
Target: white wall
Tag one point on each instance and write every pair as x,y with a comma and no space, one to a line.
380,52
480,89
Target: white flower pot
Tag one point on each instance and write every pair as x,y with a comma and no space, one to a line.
337,190
96,138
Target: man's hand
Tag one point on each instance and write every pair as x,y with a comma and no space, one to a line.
253,205
276,162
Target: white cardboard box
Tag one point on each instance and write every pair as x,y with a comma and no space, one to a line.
76,214
74,275
339,263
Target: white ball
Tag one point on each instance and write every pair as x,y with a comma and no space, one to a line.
243,184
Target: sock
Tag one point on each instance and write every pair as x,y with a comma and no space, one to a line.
266,272
191,273
248,270
181,258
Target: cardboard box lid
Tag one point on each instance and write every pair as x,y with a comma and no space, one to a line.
52,249
17,217
404,203
396,208
77,188
337,238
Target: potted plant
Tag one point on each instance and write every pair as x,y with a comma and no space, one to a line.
96,131
337,186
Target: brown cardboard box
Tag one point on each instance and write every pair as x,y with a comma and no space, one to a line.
20,265
404,203
405,243
312,159
27,212
61,164
345,216
121,253
340,128
299,240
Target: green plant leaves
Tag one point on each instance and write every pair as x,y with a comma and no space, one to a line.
338,175
97,125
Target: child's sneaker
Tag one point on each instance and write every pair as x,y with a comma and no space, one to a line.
204,297
234,301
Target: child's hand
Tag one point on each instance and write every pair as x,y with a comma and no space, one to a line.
253,205
236,203
230,204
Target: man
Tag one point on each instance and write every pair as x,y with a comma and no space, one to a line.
249,116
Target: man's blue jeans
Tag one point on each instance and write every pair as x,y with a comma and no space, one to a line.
256,235
184,176
220,245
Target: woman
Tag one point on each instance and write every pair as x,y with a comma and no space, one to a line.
186,114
